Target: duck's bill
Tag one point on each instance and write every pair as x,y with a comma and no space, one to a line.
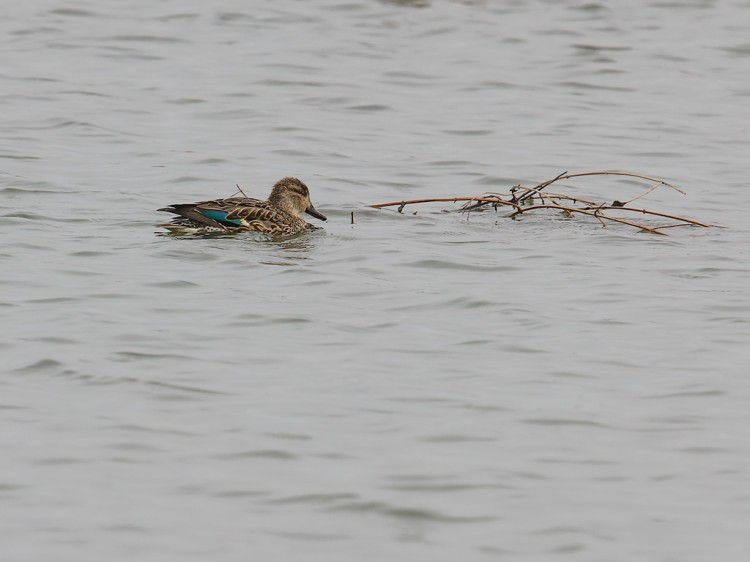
311,211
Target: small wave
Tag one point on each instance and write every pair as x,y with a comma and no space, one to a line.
146,39
73,12
411,513
565,422
270,454
19,157
316,499
691,394
445,488
41,366
444,264
453,438
369,108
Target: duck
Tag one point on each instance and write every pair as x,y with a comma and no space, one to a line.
278,216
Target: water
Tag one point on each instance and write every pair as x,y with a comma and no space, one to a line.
407,387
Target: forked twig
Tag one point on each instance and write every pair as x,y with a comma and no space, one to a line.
538,188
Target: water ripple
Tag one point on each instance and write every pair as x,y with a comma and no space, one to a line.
263,454
408,513
315,499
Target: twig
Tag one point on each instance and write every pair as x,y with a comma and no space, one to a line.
402,204
649,190
488,198
541,186
566,176
611,173
569,198
599,218
665,215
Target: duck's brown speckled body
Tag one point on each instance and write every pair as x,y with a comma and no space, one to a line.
278,216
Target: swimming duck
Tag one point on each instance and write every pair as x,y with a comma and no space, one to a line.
278,216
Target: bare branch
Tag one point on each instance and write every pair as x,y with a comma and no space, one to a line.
567,204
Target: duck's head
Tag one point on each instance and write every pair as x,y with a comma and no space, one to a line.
293,196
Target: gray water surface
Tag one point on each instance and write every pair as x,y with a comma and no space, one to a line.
408,387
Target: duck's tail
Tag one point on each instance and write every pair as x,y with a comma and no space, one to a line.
188,211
